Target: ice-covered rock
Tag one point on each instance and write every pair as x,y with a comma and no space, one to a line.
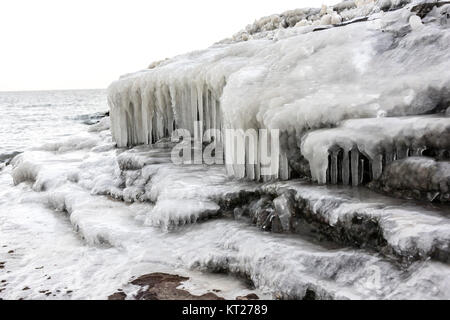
381,63
416,177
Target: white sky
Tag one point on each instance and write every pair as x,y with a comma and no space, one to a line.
75,44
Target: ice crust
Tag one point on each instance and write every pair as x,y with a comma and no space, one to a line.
388,71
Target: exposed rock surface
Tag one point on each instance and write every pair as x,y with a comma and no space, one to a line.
162,286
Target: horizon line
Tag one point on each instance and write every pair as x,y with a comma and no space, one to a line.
43,90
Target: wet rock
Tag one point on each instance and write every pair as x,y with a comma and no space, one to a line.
250,296
309,295
236,199
117,296
285,208
276,225
163,286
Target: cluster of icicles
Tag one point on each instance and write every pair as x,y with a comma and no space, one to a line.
151,114
154,113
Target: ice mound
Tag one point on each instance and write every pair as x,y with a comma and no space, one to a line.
24,170
102,125
180,194
417,177
364,219
379,140
380,63
75,143
169,213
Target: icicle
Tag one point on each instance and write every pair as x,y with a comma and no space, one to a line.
200,105
401,151
218,124
257,158
333,167
249,158
151,116
228,147
213,112
123,141
389,156
284,167
361,171
145,115
345,168
193,107
197,142
377,166
207,111
354,158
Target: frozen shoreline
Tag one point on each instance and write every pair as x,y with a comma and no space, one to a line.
98,211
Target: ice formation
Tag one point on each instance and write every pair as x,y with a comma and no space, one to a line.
360,94
338,243
158,193
351,88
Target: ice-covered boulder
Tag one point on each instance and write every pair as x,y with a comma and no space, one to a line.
351,88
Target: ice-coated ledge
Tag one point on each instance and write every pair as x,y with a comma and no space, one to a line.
393,64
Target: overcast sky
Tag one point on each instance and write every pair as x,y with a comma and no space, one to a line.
75,44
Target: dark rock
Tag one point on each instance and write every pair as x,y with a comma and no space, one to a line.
7,157
276,224
163,286
362,19
250,296
117,296
424,8
93,118
309,295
